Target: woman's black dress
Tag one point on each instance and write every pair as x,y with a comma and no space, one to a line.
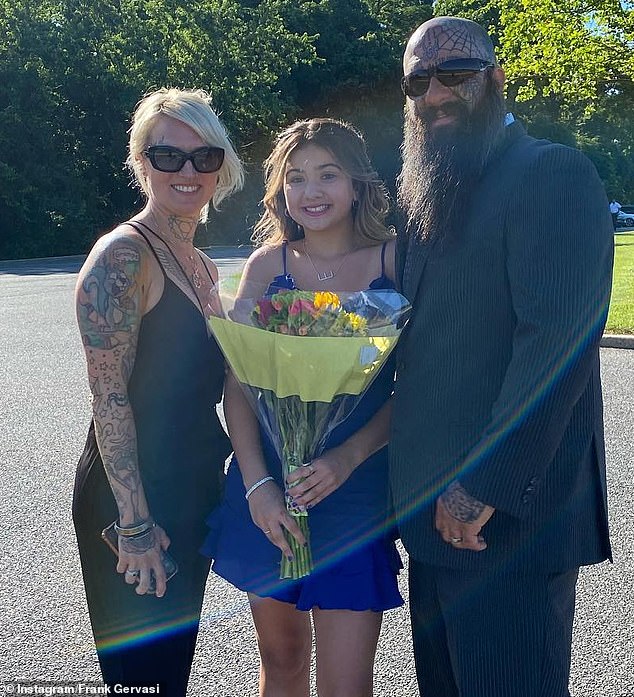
177,381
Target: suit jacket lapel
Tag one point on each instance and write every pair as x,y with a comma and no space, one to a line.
417,252
415,261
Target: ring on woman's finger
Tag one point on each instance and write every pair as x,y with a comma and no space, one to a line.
309,467
266,532
132,573
455,540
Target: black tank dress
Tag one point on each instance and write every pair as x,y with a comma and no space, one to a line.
176,382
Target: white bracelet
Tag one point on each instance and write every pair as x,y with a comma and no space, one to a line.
259,483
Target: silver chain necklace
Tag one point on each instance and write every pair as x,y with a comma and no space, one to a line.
325,275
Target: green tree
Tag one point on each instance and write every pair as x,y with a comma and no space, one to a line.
70,74
570,72
574,52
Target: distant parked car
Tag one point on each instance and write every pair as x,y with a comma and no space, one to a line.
625,217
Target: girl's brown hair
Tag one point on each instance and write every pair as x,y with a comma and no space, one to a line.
346,144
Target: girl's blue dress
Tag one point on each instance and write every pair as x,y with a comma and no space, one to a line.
352,541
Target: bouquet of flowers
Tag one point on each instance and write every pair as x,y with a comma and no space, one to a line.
304,359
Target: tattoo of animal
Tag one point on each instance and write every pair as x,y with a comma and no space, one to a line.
108,307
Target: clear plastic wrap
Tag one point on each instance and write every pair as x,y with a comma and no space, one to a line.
304,360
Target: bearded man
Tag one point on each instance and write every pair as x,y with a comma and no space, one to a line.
497,451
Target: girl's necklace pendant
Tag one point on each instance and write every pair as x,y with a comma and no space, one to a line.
324,275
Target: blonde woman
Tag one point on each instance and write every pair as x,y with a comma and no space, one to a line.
154,457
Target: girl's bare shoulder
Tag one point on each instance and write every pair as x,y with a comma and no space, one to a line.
261,267
265,262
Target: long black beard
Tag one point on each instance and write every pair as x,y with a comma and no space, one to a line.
440,169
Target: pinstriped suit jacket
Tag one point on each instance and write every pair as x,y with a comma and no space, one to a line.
498,380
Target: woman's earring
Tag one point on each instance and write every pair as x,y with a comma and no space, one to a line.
355,205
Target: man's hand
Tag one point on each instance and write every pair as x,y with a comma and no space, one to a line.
460,518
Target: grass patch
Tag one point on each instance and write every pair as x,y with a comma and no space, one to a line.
621,315
229,285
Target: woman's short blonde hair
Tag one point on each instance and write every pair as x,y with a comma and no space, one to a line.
193,108
346,144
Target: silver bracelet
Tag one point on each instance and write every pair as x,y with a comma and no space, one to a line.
135,530
259,483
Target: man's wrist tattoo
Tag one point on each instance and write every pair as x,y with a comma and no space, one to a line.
460,504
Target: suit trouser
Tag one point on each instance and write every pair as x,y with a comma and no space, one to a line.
491,633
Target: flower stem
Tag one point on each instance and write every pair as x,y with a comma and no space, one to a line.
302,562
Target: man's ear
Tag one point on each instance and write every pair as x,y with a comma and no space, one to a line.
499,77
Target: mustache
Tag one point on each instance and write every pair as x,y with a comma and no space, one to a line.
428,114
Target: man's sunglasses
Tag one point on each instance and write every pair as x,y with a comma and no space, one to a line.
450,73
165,158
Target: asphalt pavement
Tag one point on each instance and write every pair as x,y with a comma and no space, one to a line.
44,414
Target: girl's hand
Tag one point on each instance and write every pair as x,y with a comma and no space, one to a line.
139,557
313,482
268,511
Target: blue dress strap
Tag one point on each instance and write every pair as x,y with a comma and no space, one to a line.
382,282
285,280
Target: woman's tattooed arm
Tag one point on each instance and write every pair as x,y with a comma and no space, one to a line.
109,298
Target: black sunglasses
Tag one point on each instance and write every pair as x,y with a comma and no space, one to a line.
165,158
450,73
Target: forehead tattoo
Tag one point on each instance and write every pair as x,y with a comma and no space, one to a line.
450,38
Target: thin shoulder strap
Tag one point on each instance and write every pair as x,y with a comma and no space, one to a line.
186,277
383,258
135,224
284,243
149,229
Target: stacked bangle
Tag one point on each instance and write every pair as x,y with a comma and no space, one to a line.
135,530
258,484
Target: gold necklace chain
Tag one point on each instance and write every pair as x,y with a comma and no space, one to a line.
325,275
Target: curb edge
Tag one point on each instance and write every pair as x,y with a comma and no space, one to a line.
625,341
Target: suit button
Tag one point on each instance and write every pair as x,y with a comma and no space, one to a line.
533,481
526,498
